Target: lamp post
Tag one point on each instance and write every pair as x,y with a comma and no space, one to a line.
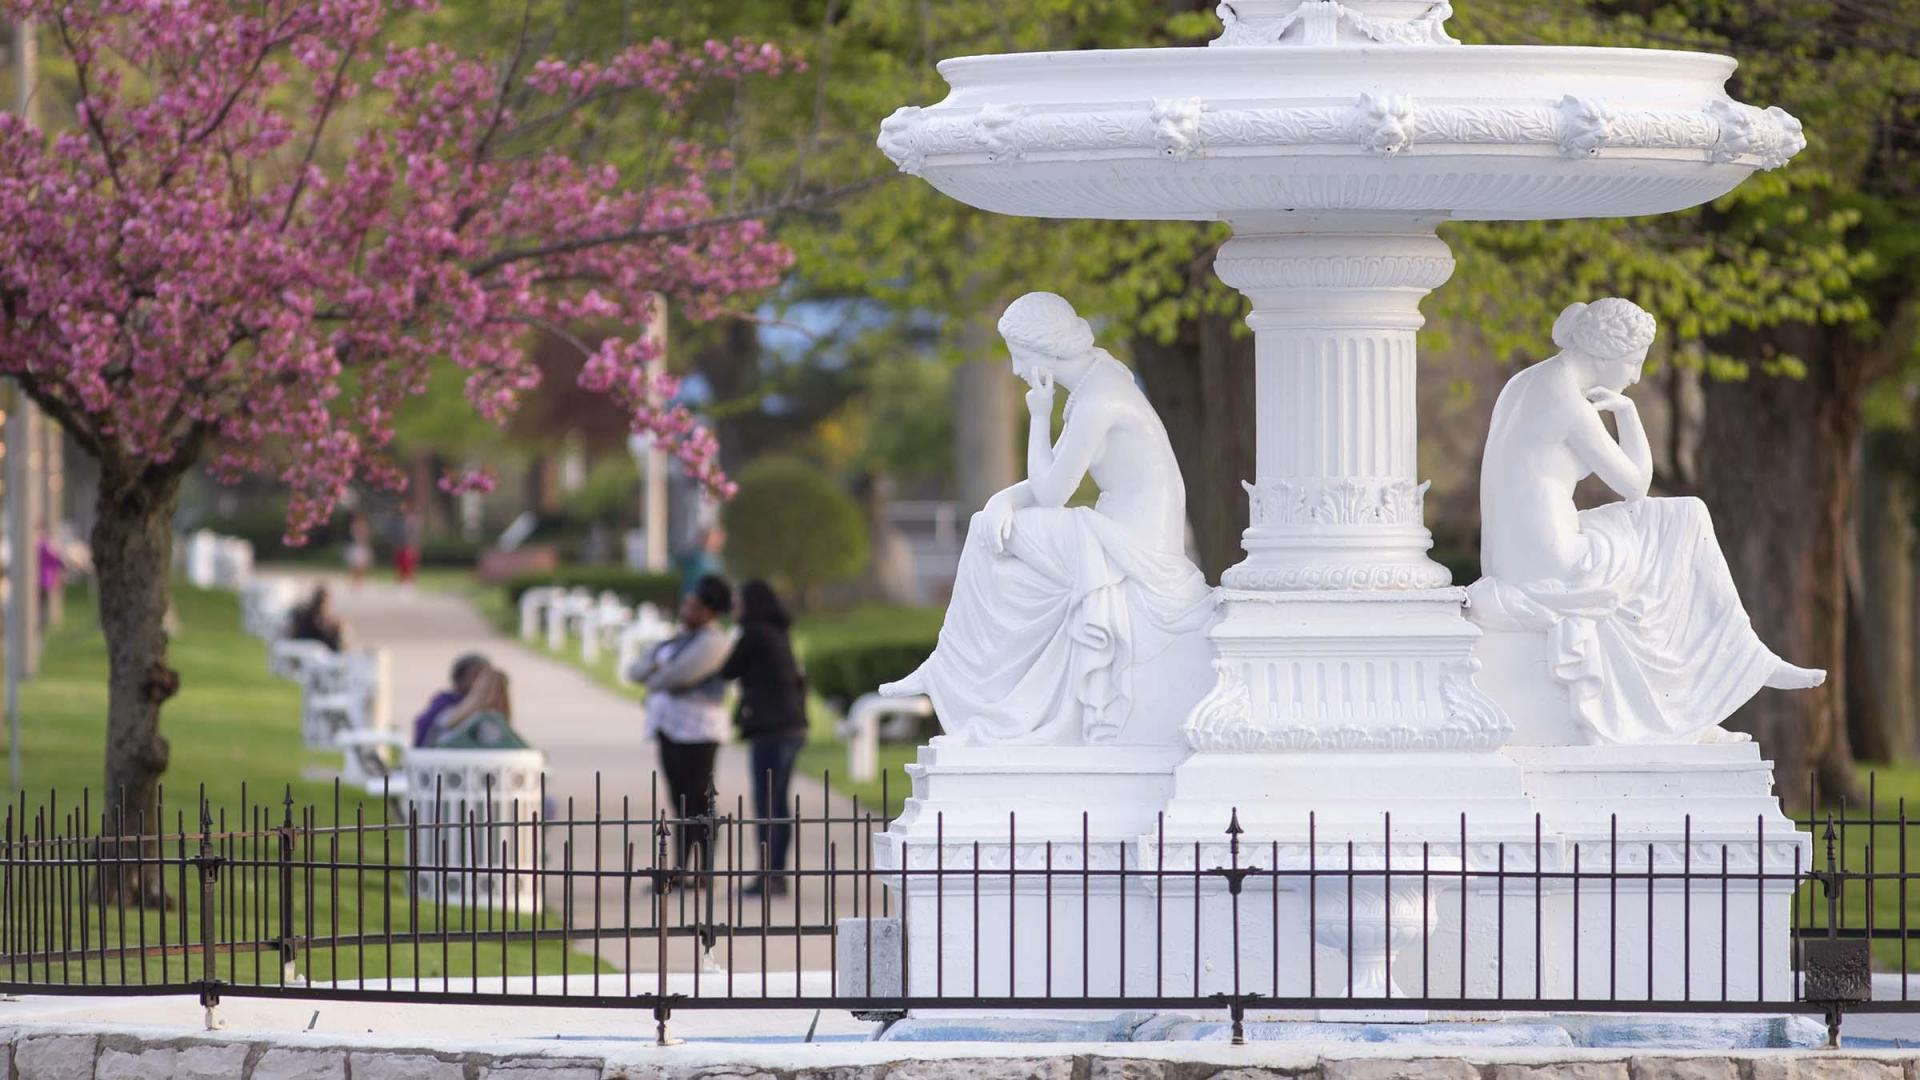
20,485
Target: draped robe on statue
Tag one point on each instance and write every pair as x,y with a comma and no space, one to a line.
1648,633
1042,642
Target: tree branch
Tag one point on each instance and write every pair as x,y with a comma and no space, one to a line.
629,236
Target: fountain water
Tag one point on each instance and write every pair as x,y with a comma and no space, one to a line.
1334,136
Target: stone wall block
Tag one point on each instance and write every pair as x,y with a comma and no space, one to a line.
155,1063
1417,1069
280,1063
1687,1068
210,1061
1564,1070
1107,1068
1815,1065
1052,1068
55,1057
1253,1073
379,1065
541,1069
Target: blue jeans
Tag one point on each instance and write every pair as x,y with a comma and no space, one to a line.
772,758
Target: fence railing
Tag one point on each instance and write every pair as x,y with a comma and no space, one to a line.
542,903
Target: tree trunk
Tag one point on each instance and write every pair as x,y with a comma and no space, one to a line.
1201,384
730,361
1777,461
987,416
1886,624
133,553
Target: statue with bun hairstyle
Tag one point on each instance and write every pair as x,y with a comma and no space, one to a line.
1645,630
1074,624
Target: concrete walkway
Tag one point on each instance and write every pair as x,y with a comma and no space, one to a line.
599,760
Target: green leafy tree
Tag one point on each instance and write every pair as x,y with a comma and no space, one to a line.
1795,294
791,524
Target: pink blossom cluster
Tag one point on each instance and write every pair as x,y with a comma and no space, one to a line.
187,271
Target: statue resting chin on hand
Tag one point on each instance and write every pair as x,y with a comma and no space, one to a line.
1057,610
1644,626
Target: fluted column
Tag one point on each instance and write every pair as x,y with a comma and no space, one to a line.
1337,502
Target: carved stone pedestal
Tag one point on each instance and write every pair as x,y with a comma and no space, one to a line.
1001,870
1704,810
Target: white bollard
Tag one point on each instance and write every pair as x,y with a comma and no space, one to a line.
533,604
863,730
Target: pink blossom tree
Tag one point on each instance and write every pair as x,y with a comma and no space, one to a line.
204,261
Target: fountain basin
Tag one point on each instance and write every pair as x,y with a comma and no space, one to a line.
1471,132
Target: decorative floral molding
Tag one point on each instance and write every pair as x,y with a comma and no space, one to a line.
1585,126
1773,136
1242,265
996,126
1725,131
1469,710
1176,126
1348,501
1224,721
1403,576
899,139
1320,22
1384,125
1222,717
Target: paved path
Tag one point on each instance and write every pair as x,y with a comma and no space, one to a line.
594,736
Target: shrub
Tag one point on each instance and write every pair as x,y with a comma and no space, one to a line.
450,552
631,586
793,526
843,673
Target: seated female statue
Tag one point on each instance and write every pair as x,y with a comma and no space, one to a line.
1644,625
1055,608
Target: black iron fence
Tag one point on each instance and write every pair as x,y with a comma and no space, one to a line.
534,902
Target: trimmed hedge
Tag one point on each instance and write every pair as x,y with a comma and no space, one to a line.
631,586
844,673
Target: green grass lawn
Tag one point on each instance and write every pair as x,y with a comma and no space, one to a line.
1874,850
234,731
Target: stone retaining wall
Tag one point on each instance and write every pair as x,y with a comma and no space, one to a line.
41,1054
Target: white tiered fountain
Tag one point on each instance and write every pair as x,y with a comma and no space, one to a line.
1334,137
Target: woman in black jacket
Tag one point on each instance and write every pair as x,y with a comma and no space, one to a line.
772,714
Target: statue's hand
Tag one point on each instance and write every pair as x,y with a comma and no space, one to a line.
1040,398
997,518
1608,401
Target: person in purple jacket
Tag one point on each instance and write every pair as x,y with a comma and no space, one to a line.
465,671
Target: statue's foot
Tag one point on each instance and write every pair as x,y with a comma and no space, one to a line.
911,686
1789,677
1718,734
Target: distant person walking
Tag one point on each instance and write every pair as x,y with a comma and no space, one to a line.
772,714
406,553
359,548
687,712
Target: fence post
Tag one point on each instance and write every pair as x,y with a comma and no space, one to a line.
209,865
288,954
662,1011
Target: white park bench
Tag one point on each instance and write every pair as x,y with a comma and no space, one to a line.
265,604
211,560
564,613
601,625
533,608
472,818
291,659
345,692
